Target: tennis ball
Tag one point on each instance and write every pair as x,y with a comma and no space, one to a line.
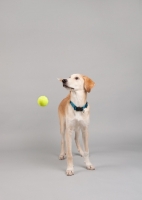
42,101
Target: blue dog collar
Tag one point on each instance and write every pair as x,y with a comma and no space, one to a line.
78,108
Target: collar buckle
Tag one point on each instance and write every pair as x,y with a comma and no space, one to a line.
79,109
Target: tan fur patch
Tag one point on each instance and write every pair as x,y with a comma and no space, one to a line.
88,83
62,106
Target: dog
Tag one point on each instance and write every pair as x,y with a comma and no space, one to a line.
74,112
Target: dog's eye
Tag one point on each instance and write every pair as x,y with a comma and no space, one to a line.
76,78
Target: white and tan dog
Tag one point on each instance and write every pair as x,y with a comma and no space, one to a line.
74,114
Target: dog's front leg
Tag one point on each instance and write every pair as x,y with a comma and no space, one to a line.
86,149
68,138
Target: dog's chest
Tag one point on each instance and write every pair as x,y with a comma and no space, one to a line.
80,118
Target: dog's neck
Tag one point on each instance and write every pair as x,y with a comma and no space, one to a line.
78,97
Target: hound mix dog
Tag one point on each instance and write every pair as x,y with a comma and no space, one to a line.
74,116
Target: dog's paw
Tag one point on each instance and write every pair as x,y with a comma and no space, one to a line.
62,157
69,172
90,167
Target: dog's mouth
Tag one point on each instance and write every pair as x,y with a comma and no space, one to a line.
67,87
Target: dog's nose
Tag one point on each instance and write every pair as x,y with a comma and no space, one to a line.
64,80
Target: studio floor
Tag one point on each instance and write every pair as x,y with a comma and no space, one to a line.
38,174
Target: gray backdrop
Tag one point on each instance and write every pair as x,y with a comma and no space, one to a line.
43,40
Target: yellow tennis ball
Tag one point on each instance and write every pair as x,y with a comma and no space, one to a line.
42,101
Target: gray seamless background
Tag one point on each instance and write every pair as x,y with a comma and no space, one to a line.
43,40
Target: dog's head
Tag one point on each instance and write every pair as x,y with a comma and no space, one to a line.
78,82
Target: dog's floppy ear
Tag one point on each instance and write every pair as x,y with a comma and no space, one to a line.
88,83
